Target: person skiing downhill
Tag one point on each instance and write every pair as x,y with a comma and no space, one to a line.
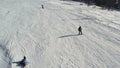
42,6
24,62
80,30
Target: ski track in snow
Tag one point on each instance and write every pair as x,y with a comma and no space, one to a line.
49,36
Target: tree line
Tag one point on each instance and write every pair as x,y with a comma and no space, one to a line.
105,4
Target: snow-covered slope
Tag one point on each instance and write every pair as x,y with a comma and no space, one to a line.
49,36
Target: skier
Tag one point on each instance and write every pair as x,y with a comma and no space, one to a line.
80,30
42,7
24,62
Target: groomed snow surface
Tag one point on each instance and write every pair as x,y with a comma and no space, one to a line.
49,37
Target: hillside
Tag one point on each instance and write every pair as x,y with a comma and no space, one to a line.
49,37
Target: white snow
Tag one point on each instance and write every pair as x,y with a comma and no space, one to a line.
48,37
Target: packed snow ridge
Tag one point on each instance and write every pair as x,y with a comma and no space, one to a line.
49,37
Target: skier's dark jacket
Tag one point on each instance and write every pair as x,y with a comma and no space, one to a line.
79,29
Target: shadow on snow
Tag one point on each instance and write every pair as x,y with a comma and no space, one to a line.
18,64
68,35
